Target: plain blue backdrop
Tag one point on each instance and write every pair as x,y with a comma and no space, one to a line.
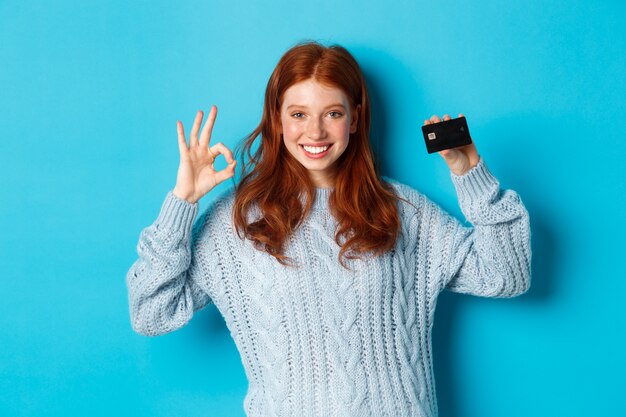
90,95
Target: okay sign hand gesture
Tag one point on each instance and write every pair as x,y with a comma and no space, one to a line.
196,173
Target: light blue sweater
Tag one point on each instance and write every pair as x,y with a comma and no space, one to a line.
322,340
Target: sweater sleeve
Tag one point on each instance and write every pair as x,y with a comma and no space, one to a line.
163,292
492,257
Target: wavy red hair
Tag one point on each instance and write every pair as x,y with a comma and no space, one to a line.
273,181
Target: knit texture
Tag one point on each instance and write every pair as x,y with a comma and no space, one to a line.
321,340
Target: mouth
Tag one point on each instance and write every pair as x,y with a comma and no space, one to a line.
316,152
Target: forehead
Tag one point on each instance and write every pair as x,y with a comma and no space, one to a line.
312,93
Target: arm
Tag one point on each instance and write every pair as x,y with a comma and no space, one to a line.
162,290
492,258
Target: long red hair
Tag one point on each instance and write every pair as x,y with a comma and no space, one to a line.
273,181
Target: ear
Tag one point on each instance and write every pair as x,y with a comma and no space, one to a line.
355,119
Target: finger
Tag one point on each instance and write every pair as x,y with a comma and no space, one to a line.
182,142
205,137
450,154
226,173
220,148
193,138
435,119
426,122
446,117
461,115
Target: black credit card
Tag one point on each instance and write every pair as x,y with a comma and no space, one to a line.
446,134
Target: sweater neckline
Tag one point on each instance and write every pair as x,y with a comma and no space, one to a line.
321,198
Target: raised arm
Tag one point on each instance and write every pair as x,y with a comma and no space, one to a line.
491,258
163,289
163,292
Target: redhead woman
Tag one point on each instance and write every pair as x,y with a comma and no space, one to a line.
326,273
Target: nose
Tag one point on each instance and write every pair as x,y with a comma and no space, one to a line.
315,129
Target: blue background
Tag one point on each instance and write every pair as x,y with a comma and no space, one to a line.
91,92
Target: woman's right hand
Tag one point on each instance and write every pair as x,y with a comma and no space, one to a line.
196,174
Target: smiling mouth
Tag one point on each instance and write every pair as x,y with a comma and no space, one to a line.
316,151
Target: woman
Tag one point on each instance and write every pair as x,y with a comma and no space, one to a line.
326,273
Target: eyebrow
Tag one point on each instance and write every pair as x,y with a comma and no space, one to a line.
305,107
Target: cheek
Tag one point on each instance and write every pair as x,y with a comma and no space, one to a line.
291,131
343,131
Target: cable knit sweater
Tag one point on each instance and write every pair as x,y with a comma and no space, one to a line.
321,340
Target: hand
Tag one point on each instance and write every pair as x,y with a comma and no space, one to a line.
461,159
196,174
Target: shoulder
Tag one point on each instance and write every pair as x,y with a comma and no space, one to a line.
401,189
411,201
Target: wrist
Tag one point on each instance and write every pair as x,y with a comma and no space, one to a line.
184,196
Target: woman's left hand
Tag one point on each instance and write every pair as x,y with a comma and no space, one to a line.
461,159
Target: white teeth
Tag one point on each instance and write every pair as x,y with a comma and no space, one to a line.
315,149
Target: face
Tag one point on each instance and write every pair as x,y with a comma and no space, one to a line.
316,122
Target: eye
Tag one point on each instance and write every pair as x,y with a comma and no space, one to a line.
294,115
337,113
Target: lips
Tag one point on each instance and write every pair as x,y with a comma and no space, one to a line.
316,155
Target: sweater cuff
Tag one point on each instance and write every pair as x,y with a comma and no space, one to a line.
476,185
177,214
